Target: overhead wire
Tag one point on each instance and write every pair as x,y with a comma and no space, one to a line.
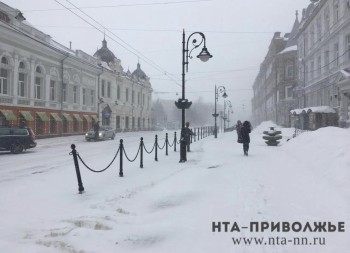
133,51
121,5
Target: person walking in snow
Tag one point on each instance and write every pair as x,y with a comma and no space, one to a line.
96,129
188,133
238,130
245,131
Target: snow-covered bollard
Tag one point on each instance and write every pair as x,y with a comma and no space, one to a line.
272,136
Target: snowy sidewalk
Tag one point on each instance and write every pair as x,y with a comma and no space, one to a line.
170,207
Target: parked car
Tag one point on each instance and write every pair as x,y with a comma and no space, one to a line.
105,132
16,139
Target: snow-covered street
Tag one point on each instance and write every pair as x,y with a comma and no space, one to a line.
169,206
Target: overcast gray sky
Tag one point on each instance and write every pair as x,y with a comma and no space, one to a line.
238,34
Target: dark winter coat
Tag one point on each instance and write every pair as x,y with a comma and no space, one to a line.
238,129
245,131
96,127
188,133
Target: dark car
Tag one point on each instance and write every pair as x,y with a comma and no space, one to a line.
16,139
105,132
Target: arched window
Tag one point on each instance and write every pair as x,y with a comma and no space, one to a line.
4,75
22,80
4,60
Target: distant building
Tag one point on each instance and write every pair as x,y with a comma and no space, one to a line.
273,87
124,98
309,79
60,91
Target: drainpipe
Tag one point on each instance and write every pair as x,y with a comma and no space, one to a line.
62,82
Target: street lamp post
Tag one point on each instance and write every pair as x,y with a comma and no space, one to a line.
218,90
183,103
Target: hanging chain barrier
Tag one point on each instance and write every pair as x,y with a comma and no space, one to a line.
121,151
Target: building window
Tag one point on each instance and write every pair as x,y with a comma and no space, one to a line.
64,92
289,92
22,91
37,88
306,42
126,122
312,69
75,94
127,95
118,122
4,60
118,92
319,65
103,88
84,96
319,29
326,19
109,89
92,95
312,35
52,90
133,97
3,82
38,84
4,75
336,10
21,85
289,71
336,54
326,60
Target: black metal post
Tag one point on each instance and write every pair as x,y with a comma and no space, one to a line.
184,103
215,115
175,140
194,137
166,143
77,170
121,149
156,148
183,147
183,150
141,152
201,132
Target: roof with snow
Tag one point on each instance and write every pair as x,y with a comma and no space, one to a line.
139,73
289,49
104,54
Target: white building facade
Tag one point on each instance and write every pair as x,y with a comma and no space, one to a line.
324,58
59,91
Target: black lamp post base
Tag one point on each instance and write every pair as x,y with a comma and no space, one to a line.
183,154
